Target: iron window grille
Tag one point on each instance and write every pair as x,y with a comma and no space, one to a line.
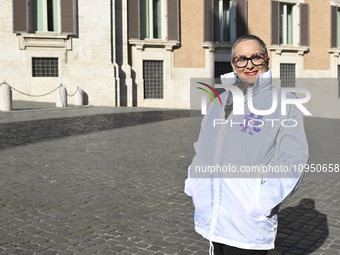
45,67
287,75
153,79
222,68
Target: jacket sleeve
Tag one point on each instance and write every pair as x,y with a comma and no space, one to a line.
197,146
288,158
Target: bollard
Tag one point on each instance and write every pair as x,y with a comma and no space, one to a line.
79,97
61,97
5,97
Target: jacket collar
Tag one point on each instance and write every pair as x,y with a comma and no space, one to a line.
263,80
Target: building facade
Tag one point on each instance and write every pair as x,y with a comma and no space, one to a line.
144,52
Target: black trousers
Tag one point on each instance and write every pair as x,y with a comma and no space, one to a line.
223,249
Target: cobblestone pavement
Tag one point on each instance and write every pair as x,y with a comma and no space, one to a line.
110,181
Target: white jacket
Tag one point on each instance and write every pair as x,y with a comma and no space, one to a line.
236,208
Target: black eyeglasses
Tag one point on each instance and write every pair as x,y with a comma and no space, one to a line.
257,60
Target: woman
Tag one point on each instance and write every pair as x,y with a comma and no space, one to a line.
237,211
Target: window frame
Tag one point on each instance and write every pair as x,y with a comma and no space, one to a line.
300,17
150,21
68,20
221,26
44,18
295,24
238,24
287,30
335,26
170,25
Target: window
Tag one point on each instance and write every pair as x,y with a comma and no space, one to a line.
153,79
289,23
287,75
222,68
335,27
222,20
151,19
44,15
286,23
45,67
58,16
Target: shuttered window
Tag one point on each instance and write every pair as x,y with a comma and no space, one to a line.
241,17
220,17
68,10
173,20
283,23
286,23
30,16
20,16
134,20
335,26
153,19
304,24
44,15
208,21
222,20
275,22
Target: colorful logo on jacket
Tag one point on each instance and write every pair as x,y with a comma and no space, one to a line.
208,92
252,123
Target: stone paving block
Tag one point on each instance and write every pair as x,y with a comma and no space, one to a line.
12,250
38,240
330,253
143,252
169,250
49,252
126,253
184,252
154,248
29,246
272,252
187,241
100,247
65,252
163,243
193,248
179,246
132,250
335,246
200,252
